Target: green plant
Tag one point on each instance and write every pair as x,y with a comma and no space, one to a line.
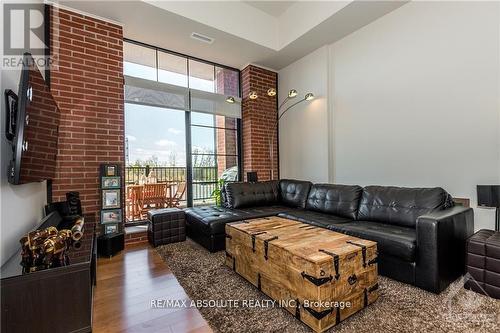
217,193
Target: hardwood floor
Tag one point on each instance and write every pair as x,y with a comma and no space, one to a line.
127,283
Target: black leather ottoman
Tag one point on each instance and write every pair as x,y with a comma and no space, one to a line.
483,263
166,226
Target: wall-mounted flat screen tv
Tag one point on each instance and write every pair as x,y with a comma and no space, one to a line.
32,127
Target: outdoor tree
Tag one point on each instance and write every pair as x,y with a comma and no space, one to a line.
196,157
172,158
153,161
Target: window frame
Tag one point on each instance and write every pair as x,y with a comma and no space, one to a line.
188,57
188,123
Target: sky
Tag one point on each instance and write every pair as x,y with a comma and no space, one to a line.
160,132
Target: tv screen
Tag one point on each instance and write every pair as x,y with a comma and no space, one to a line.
34,144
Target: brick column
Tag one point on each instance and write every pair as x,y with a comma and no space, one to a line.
258,119
87,84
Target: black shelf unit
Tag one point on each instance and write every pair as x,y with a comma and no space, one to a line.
55,299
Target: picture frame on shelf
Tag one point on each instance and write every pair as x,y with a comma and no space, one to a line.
110,182
111,228
110,170
111,216
111,199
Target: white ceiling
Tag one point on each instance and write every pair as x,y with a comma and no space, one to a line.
271,34
273,8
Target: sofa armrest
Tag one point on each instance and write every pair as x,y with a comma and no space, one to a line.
441,245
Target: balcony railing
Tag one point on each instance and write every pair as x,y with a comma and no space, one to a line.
204,178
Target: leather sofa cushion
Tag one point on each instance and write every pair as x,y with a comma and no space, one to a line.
212,220
314,218
399,205
206,218
393,240
294,192
341,200
239,195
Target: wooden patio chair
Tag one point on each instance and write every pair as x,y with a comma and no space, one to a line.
175,200
132,202
129,204
153,196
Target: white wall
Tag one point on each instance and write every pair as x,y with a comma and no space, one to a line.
413,100
21,206
303,130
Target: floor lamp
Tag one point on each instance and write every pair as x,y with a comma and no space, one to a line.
291,95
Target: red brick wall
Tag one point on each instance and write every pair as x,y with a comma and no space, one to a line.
226,82
136,238
258,119
87,83
226,143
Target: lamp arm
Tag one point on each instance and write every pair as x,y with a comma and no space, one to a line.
283,103
288,108
275,127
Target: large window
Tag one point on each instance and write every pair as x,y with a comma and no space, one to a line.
214,140
178,124
139,61
154,136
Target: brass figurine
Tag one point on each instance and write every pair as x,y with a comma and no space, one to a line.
77,229
55,248
48,247
37,237
58,243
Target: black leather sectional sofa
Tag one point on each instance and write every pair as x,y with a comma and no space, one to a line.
420,233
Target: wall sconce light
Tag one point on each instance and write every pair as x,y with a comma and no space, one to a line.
230,99
271,92
253,95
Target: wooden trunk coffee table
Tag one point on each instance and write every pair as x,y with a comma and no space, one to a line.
320,276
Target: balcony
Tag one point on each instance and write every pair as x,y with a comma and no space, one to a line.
165,187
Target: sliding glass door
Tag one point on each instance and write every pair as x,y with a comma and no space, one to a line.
214,153
155,144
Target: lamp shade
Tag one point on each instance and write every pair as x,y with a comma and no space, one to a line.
488,195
